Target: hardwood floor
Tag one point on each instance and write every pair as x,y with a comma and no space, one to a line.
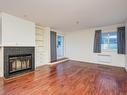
69,78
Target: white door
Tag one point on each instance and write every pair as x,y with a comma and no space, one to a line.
60,46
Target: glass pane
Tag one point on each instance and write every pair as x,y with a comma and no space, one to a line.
104,39
60,46
112,46
104,46
113,40
59,41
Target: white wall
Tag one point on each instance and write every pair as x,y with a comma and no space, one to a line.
1,62
17,32
58,32
1,56
126,47
0,29
79,46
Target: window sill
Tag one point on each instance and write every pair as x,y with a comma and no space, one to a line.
109,51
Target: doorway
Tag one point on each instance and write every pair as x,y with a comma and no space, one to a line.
56,46
60,46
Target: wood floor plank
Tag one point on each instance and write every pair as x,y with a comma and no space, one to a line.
68,78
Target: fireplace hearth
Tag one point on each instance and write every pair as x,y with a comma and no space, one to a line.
18,60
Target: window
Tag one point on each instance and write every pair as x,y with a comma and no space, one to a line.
109,41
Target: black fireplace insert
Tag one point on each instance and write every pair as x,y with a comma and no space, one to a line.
19,63
18,60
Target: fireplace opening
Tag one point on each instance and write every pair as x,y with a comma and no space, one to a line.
19,63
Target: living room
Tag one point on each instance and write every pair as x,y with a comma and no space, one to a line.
75,47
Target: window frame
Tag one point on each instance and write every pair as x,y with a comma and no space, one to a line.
108,49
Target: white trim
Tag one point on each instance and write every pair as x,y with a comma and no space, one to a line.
53,63
58,62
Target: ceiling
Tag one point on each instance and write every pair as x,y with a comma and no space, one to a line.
68,15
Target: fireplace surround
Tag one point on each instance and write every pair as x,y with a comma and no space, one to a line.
18,60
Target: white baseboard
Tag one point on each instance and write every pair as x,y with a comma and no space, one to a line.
64,60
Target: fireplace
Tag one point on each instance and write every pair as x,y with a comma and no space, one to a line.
18,60
19,63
